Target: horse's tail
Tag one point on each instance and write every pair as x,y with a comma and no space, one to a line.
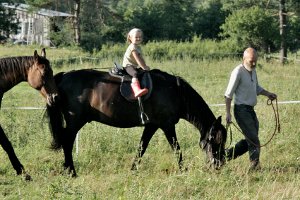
56,119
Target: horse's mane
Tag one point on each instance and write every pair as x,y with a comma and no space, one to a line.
58,77
196,109
12,67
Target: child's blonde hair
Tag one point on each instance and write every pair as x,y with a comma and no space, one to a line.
132,32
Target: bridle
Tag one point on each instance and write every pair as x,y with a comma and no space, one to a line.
277,125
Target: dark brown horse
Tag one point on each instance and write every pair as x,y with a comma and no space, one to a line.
89,95
37,72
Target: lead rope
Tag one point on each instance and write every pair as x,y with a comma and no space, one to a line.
144,116
228,127
277,124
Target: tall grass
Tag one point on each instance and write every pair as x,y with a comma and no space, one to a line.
106,153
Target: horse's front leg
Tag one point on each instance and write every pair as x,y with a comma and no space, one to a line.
68,147
6,145
145,139
170,134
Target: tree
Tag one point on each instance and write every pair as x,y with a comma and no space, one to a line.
282,28
107,21
99,24
235,5
253,27
8,22
76,22
285,12
293,36
163,19
208,18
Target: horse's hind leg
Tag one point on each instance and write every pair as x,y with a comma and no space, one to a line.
145,139
5,143
170,134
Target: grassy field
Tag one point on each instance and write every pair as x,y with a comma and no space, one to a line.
105,153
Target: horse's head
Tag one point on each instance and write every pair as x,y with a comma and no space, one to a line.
214,144
40,77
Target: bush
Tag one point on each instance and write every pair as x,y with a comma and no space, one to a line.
254,27
166,50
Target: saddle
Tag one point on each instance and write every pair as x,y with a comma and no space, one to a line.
125,87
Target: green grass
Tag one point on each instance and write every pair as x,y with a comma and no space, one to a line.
106,153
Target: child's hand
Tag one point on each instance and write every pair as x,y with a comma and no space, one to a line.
147,68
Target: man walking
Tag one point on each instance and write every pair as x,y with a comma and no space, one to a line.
243,86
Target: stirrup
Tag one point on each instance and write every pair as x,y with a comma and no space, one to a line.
144,116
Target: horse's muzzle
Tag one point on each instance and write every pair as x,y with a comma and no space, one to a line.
216,160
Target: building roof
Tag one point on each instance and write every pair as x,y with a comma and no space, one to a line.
44,12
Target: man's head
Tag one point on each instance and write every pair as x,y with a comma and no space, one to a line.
250,58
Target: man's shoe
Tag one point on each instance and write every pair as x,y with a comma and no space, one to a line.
254,166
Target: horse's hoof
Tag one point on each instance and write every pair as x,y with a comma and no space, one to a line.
134,167
27,177
74,175
183,169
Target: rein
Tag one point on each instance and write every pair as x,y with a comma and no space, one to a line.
277,125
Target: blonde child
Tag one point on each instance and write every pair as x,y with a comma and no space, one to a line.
133,59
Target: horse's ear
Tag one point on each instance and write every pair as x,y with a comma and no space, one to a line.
43,54
35,55
219,120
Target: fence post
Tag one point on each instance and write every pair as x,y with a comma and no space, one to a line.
77,143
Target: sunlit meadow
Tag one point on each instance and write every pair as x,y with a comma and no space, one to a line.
104,154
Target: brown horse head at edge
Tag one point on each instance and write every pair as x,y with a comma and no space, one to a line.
40,77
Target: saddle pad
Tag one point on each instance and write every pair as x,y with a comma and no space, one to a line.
145,82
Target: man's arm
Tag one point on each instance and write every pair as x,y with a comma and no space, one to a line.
228,109
268,94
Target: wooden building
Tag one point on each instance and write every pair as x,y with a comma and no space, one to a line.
35,26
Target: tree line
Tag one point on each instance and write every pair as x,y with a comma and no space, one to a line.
268,25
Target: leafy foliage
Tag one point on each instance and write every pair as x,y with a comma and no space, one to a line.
62,35
293,40
8,24
208,18
107,21
197,49
251,27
